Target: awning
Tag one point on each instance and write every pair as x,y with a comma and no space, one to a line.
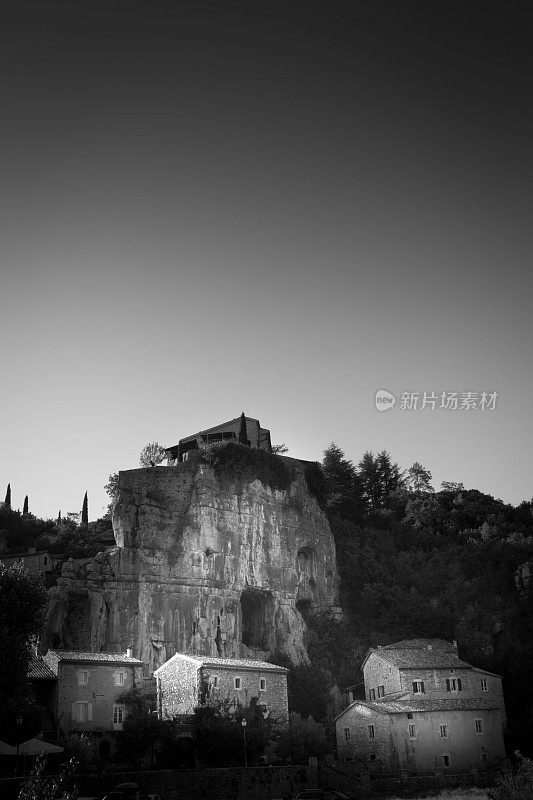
33,747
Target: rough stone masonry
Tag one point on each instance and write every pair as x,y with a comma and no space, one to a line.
201,565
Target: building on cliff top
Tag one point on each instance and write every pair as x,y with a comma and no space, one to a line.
89,689
185,681
426,710
257,436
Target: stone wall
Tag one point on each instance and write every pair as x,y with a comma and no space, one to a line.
200,566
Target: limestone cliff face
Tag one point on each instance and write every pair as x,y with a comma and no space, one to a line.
202,566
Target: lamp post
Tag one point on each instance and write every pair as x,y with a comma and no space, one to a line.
19,723
244,723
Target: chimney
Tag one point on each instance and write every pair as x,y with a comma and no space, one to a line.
129,652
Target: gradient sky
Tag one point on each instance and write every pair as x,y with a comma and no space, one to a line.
276,208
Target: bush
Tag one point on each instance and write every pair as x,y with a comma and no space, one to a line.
317,484
303,739
245,464
515,784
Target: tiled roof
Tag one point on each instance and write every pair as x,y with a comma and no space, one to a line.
420,706
38,670
412,658
422,644
114,658
453,704
229,663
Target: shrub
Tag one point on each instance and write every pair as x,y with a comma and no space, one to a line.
316,483
515,784
245,464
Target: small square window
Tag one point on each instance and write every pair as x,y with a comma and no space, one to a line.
371,732
237,683
409,716
346,734
372,757
262,684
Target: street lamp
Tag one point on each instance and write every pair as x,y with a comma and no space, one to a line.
244,723
19,721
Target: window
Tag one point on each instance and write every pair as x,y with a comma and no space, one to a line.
118,717
45,561
214,681
484,757
262,684
346,734
381,691
372,694
237,683
418,687
479,725
454,685
483,684
371,732
119,678
446,760
443,731
409,716
81,712
412,732
83,677
372,757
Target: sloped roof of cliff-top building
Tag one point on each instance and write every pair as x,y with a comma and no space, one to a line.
225,663
224,432
423,653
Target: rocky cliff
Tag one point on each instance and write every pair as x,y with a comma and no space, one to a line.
203,563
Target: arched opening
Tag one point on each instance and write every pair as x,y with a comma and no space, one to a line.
307,562
256,613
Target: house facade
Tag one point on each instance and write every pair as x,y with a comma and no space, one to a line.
185,681
425,710
89,689
229,431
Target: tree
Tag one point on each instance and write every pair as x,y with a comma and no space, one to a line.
25,508
7,501
303,739
451,486
243,433
418,479
380,478
41,786
151,455
279,449
112,490
344,496
85,512
219,732
22,599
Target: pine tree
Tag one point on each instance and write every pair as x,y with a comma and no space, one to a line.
59,517
25,509
7,501
243,434
85,512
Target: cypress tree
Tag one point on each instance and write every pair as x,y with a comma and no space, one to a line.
243,435
85,512
7,501
25,509
59,517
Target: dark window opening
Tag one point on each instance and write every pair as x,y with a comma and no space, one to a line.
257,613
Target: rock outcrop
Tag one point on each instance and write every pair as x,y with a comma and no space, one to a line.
202,564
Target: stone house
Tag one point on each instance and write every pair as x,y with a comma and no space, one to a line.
184,681
89,689
258,438
426,710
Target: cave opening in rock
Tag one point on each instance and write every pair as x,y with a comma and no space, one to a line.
257,622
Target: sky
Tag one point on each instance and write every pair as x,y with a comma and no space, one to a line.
275,208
